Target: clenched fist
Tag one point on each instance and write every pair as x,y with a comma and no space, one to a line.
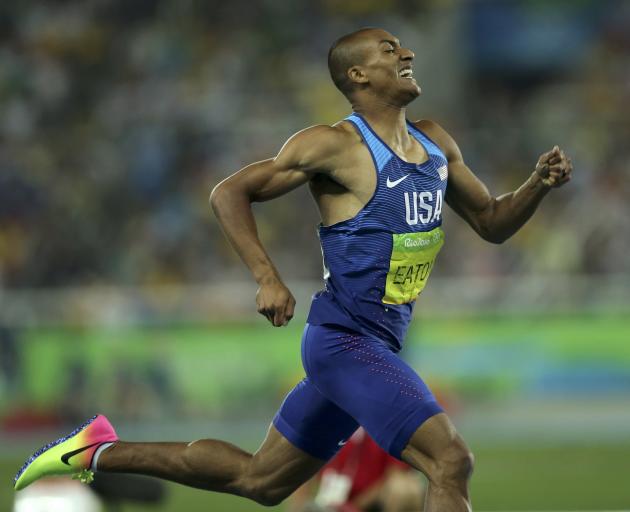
275,302
554,168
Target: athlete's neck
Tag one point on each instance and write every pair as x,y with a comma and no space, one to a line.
389,122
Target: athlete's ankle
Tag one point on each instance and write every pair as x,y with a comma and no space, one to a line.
99,451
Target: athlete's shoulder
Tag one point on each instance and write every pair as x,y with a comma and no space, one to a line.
316,146
327,136
440,136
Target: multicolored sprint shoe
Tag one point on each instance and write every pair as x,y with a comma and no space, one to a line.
71,454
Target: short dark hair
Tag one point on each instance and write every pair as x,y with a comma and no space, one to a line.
342,56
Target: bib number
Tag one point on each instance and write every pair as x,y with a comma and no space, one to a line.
413,256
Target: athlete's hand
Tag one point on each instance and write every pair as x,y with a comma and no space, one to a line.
274,301
554,168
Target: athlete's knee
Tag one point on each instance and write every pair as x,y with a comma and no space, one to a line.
266,495
454,464
265,498
262,489
440,453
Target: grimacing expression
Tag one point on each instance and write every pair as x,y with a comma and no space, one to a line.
386,66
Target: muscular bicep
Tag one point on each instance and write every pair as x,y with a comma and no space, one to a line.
265,180
307,153
465,194
468,196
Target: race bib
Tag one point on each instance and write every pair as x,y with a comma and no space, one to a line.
413,256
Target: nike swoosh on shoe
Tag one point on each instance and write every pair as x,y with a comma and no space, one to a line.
66,456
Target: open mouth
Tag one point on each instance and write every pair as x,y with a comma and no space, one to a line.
406,73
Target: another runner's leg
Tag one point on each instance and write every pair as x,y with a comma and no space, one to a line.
441,454
267,476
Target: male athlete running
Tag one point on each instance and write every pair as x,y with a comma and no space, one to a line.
380,183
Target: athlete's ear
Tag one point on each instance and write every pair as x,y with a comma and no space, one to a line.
356,74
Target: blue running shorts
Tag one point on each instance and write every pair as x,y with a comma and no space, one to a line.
351,380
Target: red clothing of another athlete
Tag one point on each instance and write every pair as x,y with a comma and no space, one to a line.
363,461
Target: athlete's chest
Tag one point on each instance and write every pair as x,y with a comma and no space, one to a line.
413,193
395,195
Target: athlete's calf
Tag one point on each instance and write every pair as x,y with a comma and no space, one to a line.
268,476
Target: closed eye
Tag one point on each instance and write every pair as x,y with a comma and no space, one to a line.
391,45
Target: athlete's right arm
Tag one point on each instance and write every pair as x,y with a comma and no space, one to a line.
307,153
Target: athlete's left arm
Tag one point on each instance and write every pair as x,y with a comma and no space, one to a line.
496,219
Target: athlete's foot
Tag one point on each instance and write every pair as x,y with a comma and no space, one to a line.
69,455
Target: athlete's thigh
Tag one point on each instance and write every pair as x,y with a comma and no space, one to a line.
363,377
312,423
307,430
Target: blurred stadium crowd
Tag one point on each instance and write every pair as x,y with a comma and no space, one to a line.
117,118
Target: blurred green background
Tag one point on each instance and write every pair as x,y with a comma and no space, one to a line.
119,294
542,399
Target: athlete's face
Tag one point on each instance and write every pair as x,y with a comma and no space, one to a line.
387,67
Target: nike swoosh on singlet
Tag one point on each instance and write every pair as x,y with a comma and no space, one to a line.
66,456
392,184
